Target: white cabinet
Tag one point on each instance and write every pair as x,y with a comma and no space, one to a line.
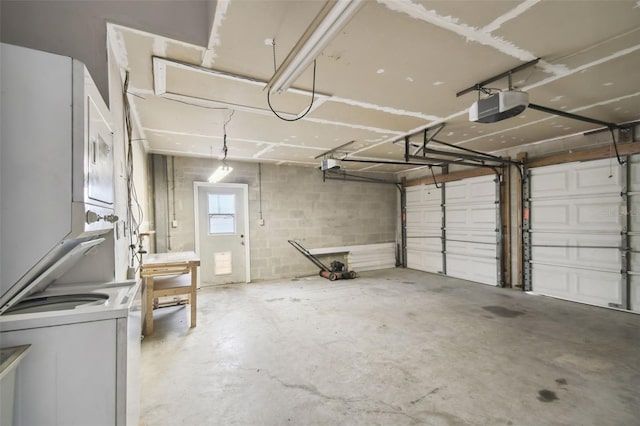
69,376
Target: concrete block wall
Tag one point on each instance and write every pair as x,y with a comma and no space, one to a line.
296,204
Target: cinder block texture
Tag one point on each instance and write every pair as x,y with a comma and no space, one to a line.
296,204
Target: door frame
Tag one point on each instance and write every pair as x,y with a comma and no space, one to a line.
196,208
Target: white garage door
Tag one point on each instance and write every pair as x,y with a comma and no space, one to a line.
634,234
575,231
471,214
424,228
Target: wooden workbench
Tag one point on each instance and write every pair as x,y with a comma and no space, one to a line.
168,274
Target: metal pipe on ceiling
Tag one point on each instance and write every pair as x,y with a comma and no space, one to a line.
480,85
572,116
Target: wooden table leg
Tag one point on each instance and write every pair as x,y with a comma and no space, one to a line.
148,316
192,296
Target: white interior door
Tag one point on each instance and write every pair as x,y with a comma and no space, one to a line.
222,227
575,229
424,228
471,211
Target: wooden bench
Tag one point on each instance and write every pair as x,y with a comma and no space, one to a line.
169,278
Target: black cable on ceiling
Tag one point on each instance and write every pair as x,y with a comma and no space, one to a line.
615,146
433,175
313,91
225,149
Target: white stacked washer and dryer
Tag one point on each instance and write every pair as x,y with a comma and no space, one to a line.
57,248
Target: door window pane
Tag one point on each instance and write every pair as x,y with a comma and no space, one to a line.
222,213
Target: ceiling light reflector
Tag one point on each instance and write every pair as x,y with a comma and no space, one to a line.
332,18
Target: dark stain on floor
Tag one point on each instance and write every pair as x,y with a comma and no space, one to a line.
293,299
502,311
274,300
545,395
408,282
561,381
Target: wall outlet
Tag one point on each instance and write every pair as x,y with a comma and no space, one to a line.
174,223
261,222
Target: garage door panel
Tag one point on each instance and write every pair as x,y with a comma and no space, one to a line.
549,182
475,190
592,287
634,212
433,244
634,174
424,261
601,214
418,232
418,222
471,249
576,179
599,286
575,239
424,233
470,227
603,178
472,236
548,215
465,217
634,240
472,268
588,259
634,244
421,195
575,231
634,294
585,251
426,217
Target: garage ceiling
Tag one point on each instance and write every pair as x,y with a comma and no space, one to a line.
393,70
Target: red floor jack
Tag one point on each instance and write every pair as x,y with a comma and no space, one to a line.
335,272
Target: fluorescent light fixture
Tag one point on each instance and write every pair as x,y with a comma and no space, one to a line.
332,18
220,173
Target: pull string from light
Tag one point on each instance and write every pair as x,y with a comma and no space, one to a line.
313,90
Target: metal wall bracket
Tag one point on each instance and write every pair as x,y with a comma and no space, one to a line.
499,257
403,225
624,237
526,230
443,229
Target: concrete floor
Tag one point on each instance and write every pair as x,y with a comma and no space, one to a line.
392,347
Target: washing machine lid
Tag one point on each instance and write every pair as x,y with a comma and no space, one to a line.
50,275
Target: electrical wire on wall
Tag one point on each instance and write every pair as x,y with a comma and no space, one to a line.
313,90
134,209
